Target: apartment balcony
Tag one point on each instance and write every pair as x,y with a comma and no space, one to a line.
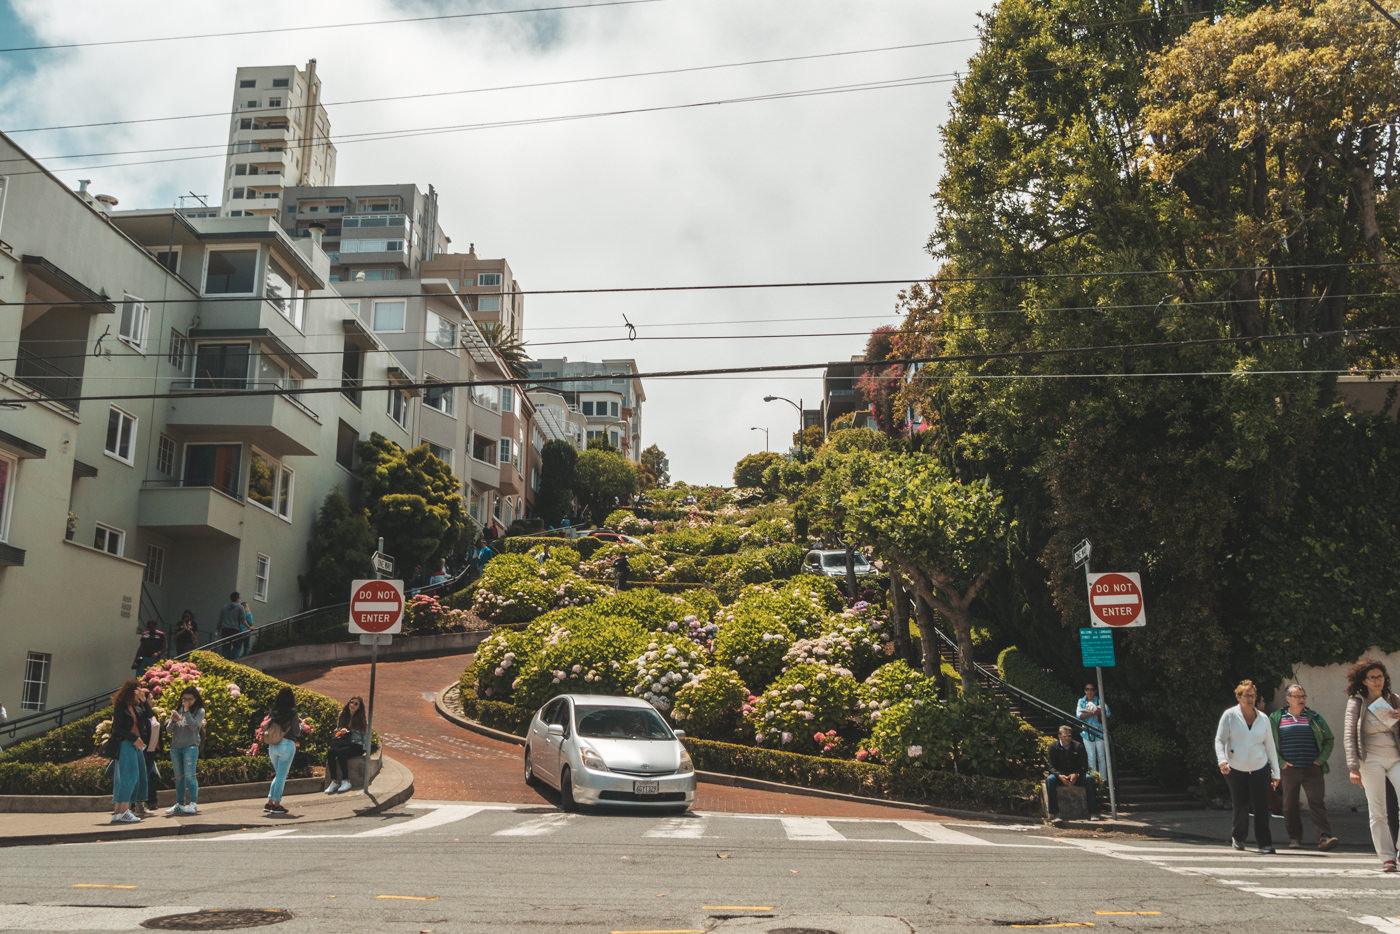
512,484
191,512
274,135
280,424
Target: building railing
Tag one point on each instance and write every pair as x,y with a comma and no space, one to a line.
45,378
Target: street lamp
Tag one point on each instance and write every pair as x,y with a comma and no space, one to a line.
765,437
796,405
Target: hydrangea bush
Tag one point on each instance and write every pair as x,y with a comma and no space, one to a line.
803,701
515,588
978,735
583,653
498,660
709,707
888,685
668,663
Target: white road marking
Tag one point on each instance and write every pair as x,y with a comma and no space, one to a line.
448,814
810,828
537,827
940,833
1321,893
679,828
1384,925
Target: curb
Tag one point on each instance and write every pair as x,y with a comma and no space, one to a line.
756,784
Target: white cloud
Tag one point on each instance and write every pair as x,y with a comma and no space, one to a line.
830,187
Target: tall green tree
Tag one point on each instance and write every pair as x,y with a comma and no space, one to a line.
656,460
414,501
339,549
748,472
556,496
603,480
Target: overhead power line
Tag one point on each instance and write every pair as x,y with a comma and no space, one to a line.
267,31
1047,353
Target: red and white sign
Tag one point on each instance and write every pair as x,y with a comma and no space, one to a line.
1115,599
376,606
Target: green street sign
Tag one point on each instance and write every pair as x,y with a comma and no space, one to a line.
1096,648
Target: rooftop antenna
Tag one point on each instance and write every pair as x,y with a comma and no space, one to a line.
199,198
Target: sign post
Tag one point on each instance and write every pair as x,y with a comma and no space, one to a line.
1096,652
376,611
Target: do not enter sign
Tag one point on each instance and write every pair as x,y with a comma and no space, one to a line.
376,606
1115,599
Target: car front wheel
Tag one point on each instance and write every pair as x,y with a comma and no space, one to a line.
530,778
566,790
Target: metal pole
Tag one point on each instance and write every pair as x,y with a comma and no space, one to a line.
1103,725
369,712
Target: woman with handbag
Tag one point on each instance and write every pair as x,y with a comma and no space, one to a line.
1372,744
186,725
351,733
125,741
279,732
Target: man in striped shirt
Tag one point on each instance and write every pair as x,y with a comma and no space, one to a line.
1304,743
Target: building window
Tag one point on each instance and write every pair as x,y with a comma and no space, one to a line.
274,102
261,573
247,83
488,278
352,369
270,484
441,453
108,539
170,259
371,246
134,318
121,434
487,397
376,220
213,465
221,366
345,440
155,565
484,449
280,290
388,316
398,407
231,272
440,331
587,408
280,82
440,398
508,400
35,695
9,466
165,456
488,303
179,350
505,451
612,408
534,479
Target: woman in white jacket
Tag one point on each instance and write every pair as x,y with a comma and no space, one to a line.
1244,747
1372,743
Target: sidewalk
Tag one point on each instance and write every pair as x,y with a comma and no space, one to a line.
1213,826
390,788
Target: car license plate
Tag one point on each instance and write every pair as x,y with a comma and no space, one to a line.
645,788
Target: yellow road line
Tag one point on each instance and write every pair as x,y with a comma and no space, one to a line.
411,898
93,885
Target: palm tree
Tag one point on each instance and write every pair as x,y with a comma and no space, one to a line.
509,345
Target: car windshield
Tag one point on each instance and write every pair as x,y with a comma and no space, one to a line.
620,723
834,559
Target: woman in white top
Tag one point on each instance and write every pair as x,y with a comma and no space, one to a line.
1244,747
1372,744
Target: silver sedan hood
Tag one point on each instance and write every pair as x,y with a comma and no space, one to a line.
638,756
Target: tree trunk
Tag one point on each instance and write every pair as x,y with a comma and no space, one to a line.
923,618
899,615
961,621
851,573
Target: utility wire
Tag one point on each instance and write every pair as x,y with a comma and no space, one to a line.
281,29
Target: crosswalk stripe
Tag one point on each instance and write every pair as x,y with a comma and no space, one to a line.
810,828
537,827
679,828
435,818
940,833
1384,925
1321,893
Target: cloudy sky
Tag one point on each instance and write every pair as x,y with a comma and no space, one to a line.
664,174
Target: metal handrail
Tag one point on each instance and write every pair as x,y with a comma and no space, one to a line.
1064,716
77,709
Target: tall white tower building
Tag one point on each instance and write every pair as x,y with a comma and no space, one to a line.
279,137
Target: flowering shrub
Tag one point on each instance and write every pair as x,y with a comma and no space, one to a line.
685,569
868,615
768,532
514,588
648,606
913,734
865,648
977,735
748,567
702,603
168,673
753,644
804,701
700,633
424,613
710,706
643,565
581,652
888,685
497,662
668,663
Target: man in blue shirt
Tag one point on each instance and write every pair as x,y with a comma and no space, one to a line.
1304,742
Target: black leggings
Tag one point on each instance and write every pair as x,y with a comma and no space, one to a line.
1250,791
338,761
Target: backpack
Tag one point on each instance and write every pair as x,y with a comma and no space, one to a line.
273,733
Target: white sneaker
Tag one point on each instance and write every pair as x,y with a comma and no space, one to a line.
174,810
191,808
125,817
344,786
333,787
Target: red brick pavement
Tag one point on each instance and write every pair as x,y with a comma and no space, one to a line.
450,763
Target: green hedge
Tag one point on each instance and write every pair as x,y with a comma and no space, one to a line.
74,778
520,545
944,789
61,744
1018,669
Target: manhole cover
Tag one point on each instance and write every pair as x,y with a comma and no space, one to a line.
218,920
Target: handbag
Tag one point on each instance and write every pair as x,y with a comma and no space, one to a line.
272,732
111,748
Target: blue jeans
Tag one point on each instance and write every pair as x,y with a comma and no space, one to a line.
1052,785
182,761
281,755
131,766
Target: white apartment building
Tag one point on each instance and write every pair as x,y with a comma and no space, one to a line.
608,395
279,137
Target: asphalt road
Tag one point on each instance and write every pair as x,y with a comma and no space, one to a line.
453,867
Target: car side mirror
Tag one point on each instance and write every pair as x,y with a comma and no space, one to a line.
556,729
680,734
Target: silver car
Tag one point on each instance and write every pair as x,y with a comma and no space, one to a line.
608,751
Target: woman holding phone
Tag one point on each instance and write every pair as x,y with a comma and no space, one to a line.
1372,743
186,726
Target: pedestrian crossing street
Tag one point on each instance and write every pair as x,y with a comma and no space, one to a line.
506,822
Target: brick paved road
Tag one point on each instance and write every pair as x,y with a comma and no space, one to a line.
453,764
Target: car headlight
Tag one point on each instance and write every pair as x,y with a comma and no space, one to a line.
686,765
592,760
